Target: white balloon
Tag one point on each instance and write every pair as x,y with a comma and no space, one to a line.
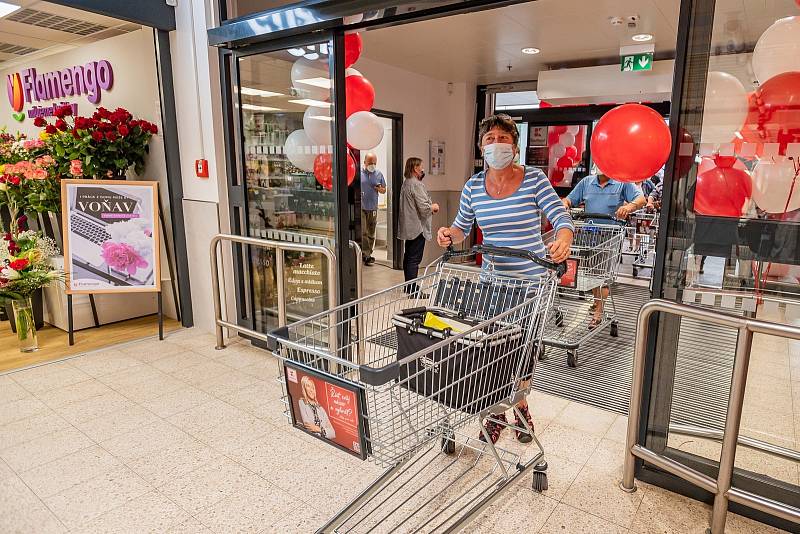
350,71
364,130
772,182
558,151
778,49
305,71
317,124
298,149
566,139
573,129
725,108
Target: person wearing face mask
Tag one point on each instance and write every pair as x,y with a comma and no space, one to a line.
507,202
416,210
372,184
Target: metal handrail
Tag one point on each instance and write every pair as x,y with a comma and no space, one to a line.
280,248
721,486
744,441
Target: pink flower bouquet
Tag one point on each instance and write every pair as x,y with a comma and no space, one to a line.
122,257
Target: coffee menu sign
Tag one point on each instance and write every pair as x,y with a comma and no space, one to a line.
110,236
46,91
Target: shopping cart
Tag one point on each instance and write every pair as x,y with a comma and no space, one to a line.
644,230
594,259
415,383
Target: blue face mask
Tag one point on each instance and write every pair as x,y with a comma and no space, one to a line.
498,155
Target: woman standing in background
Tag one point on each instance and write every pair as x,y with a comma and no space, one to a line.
416,211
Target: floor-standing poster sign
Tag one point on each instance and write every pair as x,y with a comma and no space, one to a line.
111,237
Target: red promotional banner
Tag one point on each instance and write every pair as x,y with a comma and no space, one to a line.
326,408
570,278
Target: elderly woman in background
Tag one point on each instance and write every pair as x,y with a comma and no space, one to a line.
507,202
416,210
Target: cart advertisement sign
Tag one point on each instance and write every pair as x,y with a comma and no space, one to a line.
110,236
326,408
570,278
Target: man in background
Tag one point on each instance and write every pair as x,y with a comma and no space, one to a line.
372,184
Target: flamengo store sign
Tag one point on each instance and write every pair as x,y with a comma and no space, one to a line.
30,86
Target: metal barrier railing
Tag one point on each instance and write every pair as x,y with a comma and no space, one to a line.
280,247
744,441
721,486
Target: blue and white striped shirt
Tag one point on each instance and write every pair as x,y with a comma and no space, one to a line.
514,221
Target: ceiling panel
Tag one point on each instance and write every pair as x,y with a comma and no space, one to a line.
480,46
50,28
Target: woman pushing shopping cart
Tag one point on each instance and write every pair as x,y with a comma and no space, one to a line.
400,373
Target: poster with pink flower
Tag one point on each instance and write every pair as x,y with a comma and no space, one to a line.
110,230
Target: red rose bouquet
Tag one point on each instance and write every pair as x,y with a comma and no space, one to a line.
104,145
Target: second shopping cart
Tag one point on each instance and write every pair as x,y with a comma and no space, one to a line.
580,311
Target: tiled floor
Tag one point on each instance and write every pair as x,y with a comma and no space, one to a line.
174,436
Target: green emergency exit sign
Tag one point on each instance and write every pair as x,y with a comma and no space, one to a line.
634,62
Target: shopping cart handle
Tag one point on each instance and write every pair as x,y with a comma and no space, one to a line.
492,250
595,216
275,337
451,253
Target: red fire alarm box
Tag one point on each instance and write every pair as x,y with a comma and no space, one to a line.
201,168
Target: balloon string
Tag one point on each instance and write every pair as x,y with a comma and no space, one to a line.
785,209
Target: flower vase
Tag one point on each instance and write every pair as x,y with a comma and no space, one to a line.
26,327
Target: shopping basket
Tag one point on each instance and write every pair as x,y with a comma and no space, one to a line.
414,387
595,256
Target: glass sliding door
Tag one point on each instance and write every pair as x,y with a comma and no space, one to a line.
732,243
286,141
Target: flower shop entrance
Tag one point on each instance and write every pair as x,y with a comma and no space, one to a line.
107,111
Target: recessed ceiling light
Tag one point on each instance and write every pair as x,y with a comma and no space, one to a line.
6,8
254,107
250,91
530,50
642,37
311,103
324,83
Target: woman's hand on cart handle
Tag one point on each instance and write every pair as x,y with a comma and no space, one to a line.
444,237
559,249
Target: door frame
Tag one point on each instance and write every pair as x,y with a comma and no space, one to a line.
398,165
236,164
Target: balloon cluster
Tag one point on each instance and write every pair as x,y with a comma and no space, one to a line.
310,148
566,146
761,126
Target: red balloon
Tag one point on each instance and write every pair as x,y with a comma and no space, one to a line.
323,170
724,162
564,162
722,192
559,129
552,138
556,175
777,105
572,153
631,143
359,94
353,45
